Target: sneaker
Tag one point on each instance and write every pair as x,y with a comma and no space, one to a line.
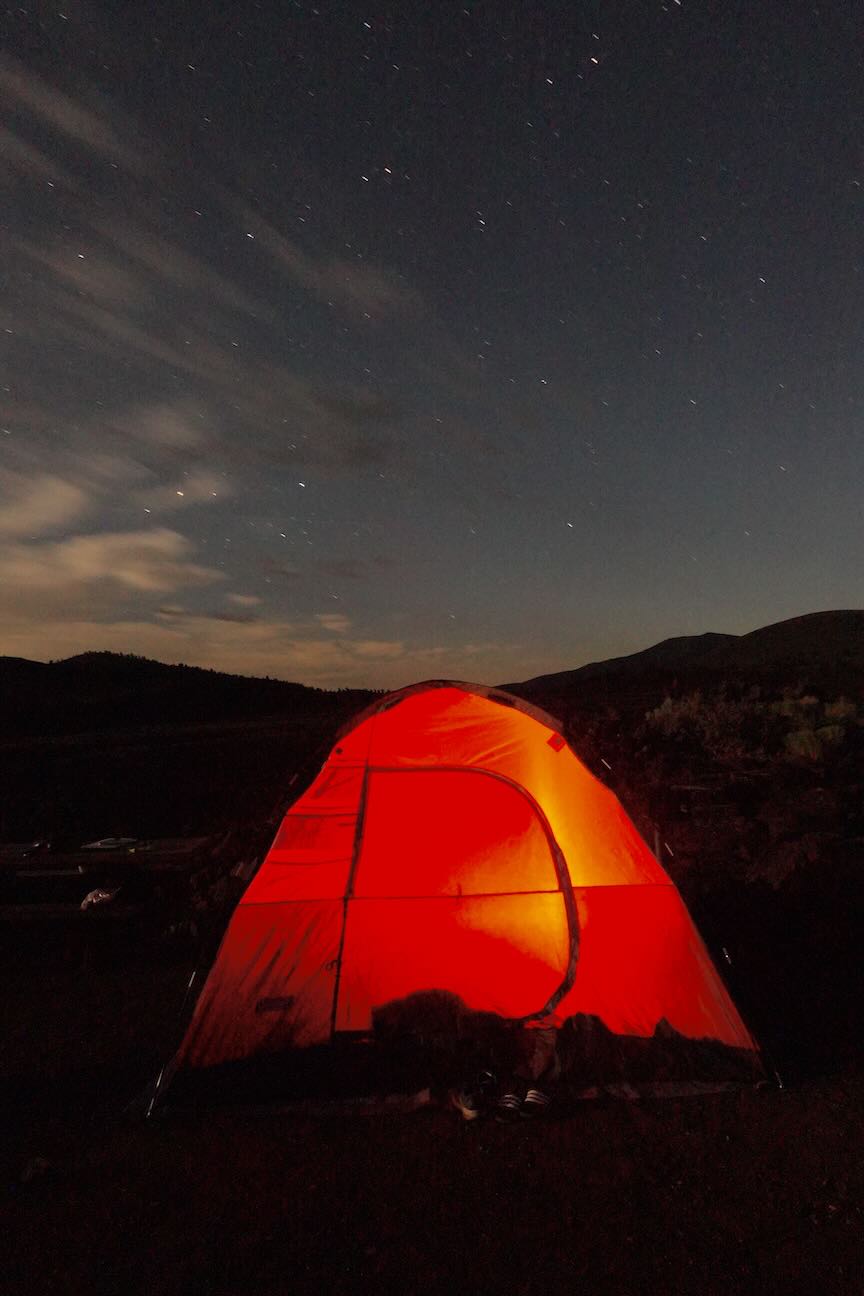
507,1108
466,1103
535,1104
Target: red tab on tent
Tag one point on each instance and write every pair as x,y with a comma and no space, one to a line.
556,742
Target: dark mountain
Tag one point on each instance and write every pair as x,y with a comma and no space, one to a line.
827,644
668,655
103,691
106,744
16,671
820,639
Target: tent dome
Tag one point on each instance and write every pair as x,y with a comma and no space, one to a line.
453,842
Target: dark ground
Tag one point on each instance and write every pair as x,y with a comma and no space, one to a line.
757,791
753,1190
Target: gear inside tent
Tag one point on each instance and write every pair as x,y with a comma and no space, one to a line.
455,851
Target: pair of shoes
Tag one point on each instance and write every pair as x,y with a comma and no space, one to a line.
510,1107
507,1108
466,1103
535,1104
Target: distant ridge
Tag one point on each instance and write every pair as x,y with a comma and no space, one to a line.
815,641
110,691
129,666
104,691
669,654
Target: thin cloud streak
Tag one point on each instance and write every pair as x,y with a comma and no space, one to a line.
34,506
143,562
68,116
291,650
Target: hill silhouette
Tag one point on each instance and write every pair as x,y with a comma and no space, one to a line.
109,744
113,744
827,645
669,654
818,640
98,691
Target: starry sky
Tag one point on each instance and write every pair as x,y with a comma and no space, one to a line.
360,343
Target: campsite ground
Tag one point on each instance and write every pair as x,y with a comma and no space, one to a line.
756,1191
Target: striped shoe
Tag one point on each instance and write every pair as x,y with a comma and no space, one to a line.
535,1104
507,1108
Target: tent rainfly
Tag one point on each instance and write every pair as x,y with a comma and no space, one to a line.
454,842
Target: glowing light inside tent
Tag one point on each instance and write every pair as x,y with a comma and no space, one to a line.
430,855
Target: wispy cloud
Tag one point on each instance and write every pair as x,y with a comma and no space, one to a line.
357,286
24,159
69,116
32,506
380,649
155,366
91,274
143,562
146,292
256,645
121,318
180,425
335,621
157,259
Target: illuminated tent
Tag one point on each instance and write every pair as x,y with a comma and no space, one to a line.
454,842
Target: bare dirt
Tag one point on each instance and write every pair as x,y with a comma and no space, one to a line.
753,1190
744,1191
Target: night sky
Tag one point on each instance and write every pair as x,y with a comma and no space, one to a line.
364,343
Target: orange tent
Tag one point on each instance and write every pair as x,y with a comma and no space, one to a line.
454,842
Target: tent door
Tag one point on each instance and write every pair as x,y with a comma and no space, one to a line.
455,891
